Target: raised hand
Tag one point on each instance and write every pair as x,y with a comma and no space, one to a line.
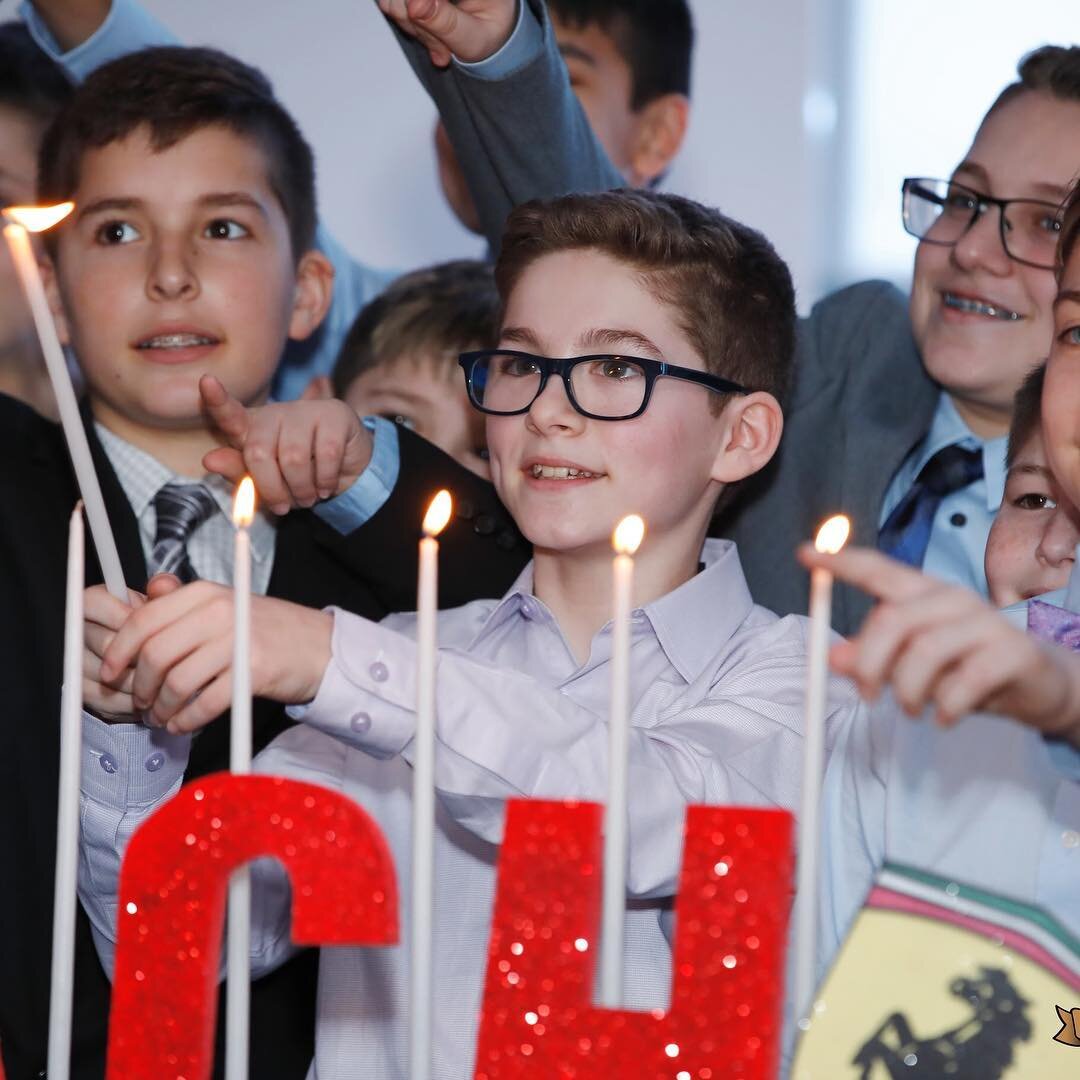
471,30
943,646
297,452
172,657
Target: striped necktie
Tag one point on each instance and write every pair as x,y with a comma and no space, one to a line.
181,509
906,533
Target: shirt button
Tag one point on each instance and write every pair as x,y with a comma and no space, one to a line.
155,761
484,525
959,520
506,540
379,671
1070,838
108,763
527,610
360,722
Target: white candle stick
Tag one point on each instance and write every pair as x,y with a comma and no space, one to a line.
831,537
238,985
627,539
67,817
423,823
23,220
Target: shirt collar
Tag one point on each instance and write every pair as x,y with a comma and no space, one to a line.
142,476
691,623
948,429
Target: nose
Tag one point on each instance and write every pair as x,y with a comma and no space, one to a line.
552,410
981,246
1057,546
171,274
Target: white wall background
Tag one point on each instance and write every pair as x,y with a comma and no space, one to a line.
807,114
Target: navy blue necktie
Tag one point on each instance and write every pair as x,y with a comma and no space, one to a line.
181,509
906,532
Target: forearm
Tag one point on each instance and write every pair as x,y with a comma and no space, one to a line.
519,137
129,771
503,734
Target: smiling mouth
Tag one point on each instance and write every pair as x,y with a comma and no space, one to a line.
971,306
562,472
176,341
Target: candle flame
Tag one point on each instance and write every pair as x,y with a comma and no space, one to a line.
244,503
628,535
833,535
37,219
438,513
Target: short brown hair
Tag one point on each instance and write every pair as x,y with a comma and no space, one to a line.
175,91
730,290
1053,69
1027,412
443,310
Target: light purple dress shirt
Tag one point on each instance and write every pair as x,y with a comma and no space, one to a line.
717,693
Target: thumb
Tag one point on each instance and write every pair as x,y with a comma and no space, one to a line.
226,413
444,28
227,462
161,585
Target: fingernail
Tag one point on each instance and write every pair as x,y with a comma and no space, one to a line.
325,493
280,508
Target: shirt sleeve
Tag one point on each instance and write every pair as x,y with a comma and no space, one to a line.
126,29
128,772
503,734
369,492
524,45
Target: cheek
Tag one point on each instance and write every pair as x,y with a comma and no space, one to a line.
930,261
1061,410
1008,547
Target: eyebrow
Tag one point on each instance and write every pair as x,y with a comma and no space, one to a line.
1055,192
576,52
1067,296
1031,470
600,337
213,200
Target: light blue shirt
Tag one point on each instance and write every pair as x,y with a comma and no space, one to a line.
962,522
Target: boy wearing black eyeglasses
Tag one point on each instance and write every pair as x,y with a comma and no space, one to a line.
645,346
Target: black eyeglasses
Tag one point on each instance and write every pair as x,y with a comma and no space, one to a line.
941,211
602,387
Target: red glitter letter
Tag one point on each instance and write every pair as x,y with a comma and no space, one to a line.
731,920
172,903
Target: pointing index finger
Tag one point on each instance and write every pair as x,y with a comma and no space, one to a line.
875,573
225,412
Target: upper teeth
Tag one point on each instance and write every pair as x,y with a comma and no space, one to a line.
977,307
561,472
175,341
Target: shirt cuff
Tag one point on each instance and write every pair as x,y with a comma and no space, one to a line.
521,48
369,492
129,764
126,28
368,692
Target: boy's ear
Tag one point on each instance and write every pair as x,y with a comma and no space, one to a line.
56,302
661,128
313,293
753,424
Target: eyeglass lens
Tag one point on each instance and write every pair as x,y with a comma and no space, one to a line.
941,212
608,386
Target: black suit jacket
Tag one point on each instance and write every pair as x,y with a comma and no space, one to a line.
371,572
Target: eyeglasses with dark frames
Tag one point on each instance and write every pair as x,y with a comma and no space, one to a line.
942,211
505,382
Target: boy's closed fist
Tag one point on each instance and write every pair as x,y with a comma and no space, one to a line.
471,30
297,452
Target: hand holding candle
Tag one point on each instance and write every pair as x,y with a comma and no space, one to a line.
626,540
423,831
23,220
831,538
